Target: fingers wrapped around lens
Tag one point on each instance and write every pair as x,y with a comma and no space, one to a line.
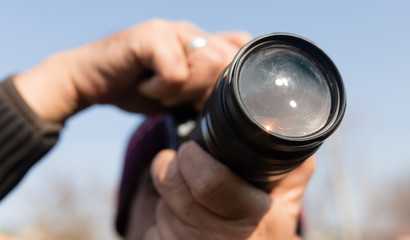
212,54
200,195
290,189
164,53
186,61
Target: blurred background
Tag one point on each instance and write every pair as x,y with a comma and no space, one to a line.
360,189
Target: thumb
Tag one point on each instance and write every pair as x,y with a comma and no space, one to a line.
217,188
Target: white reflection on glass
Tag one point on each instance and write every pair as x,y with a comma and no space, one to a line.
292,104
281,82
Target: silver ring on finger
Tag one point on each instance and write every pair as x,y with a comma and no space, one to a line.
198,42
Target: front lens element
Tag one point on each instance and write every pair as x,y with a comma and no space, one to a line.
284,92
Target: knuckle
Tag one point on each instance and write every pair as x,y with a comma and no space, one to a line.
185,24
207,187
157,23
172,79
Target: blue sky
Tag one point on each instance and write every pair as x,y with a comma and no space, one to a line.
368,40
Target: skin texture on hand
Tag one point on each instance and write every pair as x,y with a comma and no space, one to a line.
200,198
142,69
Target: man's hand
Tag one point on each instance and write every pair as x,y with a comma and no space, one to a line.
142,69
200,198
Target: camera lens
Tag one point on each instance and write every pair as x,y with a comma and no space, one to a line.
272,108
284,92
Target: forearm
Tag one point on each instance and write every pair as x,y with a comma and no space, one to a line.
24,137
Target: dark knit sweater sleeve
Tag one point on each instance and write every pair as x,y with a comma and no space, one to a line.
24,137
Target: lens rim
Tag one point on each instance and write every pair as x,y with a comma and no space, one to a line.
319,59
231,135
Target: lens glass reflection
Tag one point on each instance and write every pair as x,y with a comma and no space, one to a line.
284,92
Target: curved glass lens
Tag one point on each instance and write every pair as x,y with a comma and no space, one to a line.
284,92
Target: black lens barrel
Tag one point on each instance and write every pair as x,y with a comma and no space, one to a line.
233,137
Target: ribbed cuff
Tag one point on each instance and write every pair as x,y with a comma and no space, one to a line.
24,137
